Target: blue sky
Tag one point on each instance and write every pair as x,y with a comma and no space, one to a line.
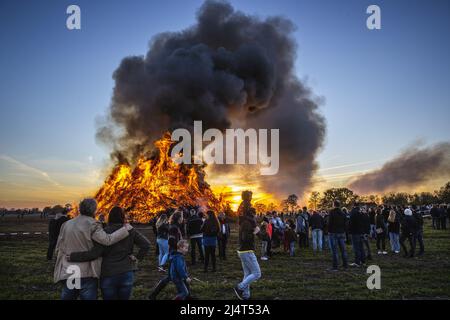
383,90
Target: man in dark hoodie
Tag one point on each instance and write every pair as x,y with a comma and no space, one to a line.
366,231
408,231
54,227
246,252
419,231
336,230
356,231
435,214
194,232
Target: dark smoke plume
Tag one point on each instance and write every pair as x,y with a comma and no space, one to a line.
230,70
410,169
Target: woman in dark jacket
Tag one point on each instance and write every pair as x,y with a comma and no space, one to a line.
381,232
175,235
394,231
210,231
224,234
118,263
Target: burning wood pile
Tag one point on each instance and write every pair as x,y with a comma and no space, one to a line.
156,184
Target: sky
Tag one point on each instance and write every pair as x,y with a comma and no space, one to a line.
381,90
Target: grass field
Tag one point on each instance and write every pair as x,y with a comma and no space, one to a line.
26,274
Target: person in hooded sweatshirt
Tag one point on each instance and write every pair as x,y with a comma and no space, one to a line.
246,252
356,225
54,228
408,230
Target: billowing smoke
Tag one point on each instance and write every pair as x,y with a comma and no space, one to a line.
228,70
410,169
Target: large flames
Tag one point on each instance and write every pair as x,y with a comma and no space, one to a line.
157,184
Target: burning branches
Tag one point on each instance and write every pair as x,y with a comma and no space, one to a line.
156,184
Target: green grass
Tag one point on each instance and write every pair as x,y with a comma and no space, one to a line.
25,273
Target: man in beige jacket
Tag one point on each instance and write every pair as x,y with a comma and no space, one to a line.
78,235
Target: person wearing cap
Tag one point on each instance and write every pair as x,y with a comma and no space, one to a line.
408,231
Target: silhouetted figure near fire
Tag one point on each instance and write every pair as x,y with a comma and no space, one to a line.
224,234
194,232
54,227
246,203
210,231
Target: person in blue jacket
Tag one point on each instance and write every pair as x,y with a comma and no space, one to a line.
178,271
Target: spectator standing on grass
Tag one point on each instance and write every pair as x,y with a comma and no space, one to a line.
435,217
210,230
290,237
175,225
79,234
316,223
419,231
54,228
224,235
270,233
347,224
246,252
366,232
356,231
301,225
162,239
194,232
373,232
394,231
443,216
336,229
326,223
408,231
381,232
118,261
264,236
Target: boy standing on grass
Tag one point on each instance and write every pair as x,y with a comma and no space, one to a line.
178,271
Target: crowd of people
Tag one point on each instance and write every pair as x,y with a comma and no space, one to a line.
104,251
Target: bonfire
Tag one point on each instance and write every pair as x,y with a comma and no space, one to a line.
157,184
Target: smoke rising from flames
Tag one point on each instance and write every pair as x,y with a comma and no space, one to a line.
228,70
411,168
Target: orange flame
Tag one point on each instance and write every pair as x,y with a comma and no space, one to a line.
157,184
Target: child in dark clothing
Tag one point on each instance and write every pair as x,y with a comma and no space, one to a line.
178,271
290,236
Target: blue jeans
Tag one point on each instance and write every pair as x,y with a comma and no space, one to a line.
317,239
373,231
292,248
337,240
87,291
326,241
251,272
163,245
358,248
394,239
182,291
117,287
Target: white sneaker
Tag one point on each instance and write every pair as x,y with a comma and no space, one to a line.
397,252
264,258
379,252
384,252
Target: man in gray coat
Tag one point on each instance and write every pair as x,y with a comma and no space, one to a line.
77,235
